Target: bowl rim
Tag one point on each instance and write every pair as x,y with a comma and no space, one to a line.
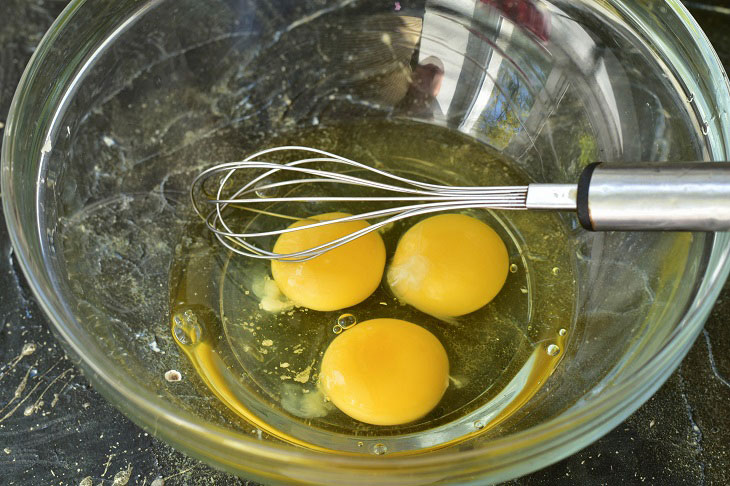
534,448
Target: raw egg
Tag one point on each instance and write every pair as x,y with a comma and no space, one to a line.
448,265
385,372
339,278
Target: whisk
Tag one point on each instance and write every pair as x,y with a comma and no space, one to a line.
622,197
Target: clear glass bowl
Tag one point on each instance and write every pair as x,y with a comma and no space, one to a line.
123,102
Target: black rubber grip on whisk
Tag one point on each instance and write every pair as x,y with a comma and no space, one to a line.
582,209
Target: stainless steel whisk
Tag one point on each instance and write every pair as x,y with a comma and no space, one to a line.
623,197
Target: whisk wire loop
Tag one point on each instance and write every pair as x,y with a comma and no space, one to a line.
306,173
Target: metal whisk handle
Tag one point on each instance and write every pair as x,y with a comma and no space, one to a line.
640,197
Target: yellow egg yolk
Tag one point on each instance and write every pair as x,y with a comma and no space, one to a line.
448,265
385,372
339,278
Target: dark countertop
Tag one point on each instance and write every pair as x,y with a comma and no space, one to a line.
55,429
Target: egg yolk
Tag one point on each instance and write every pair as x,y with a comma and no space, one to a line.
339,278
448,265
385,372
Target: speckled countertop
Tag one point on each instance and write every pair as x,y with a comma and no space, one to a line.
55,429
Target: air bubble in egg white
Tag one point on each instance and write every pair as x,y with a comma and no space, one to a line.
344,322
186,328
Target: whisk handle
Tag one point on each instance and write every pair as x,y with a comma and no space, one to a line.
644,196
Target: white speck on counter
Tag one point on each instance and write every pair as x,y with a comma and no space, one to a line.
267,342
28,348
173,375
122,477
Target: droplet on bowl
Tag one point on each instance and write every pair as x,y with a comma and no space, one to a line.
563,332
479,424
553,350
513,268
379,449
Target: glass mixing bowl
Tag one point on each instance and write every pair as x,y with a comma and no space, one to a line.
125,100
